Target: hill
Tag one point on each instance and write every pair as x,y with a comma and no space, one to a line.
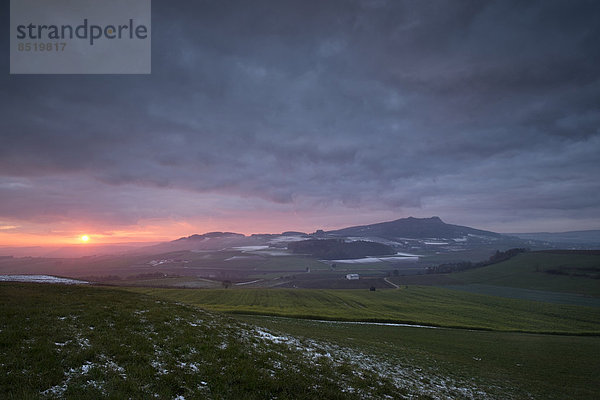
387,233
413,228
541,271
60,342
589,238
206,241
555,276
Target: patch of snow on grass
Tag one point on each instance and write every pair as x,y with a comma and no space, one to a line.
85,368
241,258
57,390
274,253
270,337
376,323
40,279
192,366
84,343
159,367
284,239
245,249
374,260
248,283
402,376
408,255
97,385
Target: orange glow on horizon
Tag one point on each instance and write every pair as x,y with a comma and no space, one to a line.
67,235
52,239
71,234
151,231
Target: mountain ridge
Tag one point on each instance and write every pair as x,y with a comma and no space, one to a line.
410,227
413,228
390,231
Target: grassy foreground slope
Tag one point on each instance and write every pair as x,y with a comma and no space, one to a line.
534,366
88,342
416,305
68,342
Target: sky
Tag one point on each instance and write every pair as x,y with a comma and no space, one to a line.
269,116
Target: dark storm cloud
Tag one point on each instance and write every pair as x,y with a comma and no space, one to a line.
377,104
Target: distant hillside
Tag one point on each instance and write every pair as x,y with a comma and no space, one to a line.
574,237
386,233
206,241
211,235
412,228
558,271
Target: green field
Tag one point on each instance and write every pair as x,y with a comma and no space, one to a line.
531,365
529,271
69,342
527,276
85,342
528,294
416,305
179,281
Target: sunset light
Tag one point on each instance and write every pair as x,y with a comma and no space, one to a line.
85,238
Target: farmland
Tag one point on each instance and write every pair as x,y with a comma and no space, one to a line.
417,305
513,312
531,271
531,365
84,343
89,342
474,334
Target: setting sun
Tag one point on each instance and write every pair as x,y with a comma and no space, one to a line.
85,238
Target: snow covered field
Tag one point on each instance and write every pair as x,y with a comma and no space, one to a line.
367,260
40,279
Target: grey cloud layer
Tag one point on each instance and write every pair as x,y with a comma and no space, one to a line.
373,104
